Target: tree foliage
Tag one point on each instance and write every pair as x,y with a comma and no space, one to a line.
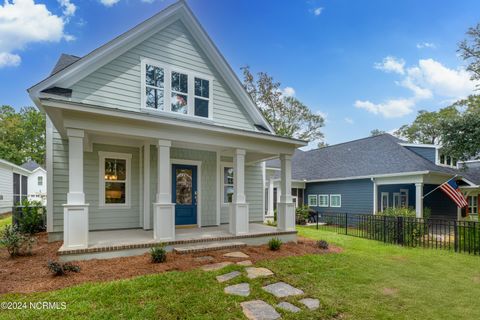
376,132
469,50
288,116
22,135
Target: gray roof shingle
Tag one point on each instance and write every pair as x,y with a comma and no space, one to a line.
64,61
30,165
375,155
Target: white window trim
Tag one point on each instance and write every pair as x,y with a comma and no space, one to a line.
406,192
102,155
397,195
381,199
167,69
328,200
222,186
470,198
312,196
38,180
336,195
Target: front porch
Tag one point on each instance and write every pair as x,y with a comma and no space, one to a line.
120,243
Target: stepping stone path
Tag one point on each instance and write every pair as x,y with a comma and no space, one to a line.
259,310
204,259
242,289
216,266
228,276
288,307
236,254
244,263
282,289
253,273
312,304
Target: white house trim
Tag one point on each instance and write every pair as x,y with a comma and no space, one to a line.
198,164
49,166
382,203
102,155
219,192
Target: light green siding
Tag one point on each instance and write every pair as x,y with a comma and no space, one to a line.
118,83
60,180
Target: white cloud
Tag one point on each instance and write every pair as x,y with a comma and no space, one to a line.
109,3
317,11
9,60
393,108
68,8
288,92
391,64
148,1
349,120
23,22
423,45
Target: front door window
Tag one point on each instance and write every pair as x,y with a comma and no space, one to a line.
184,189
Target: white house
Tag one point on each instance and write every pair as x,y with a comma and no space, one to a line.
152,138
13,185
37,182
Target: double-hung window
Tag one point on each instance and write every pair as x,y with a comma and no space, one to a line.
473,204
177,91
335,200
312,200
40,180
323,200
114,179
228,185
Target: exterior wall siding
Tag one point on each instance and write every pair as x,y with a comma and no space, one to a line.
357,195
440,204
426,153
395,188
118,83
6,189
60,179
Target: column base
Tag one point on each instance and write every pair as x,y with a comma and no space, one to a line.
286,216
164,221
238,218
75,226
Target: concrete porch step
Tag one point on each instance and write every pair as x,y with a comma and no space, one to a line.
208,247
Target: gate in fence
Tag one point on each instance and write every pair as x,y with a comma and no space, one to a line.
458,236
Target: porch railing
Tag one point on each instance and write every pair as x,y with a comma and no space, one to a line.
444,234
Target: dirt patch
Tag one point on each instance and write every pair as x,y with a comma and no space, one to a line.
399,258
389,291
30,274
476,279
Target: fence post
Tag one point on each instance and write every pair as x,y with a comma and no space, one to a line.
346,224
384,228
400,230
317,218
455,235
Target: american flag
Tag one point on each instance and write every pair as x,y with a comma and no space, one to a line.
451,189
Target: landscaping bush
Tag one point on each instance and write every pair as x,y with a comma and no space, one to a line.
322,244
301,215
274,244
159,254
59,269
32,218
16,242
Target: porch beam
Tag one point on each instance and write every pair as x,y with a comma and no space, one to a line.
238,213
419,200
286,208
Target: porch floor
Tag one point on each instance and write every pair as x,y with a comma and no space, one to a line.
108,238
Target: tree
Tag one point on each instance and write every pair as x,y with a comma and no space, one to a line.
322,144
469,50
427,126
22,135
288,116
376,132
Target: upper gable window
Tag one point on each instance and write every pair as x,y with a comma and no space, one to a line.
174,90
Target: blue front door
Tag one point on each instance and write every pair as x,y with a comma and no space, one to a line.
184,194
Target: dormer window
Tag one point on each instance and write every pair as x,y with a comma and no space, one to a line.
447,161
176,91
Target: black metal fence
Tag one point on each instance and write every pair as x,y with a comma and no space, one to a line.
458,236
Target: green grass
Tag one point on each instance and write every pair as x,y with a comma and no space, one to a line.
421,284
5,221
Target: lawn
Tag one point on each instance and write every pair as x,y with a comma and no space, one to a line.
368,280
5,220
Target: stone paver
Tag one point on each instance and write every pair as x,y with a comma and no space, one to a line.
310,303
242,289
288,307
282,289
259,310
216,266
253,272
204,259
245,263
228,276
236,254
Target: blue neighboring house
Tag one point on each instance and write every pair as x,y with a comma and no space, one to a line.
371,174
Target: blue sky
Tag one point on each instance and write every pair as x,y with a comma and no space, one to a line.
362,64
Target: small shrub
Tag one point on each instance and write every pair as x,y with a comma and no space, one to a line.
32,218
58,269
302,214
274,244
158,254
17,243
322,244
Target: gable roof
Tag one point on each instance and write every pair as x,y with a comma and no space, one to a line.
64,61
14,167
31,165
78,69
377,155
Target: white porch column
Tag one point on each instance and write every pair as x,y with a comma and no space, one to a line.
270,212
239,208
163,208
375,196
147,224
419,199
75,211
286,208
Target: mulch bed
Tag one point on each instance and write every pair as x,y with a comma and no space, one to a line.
30,274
